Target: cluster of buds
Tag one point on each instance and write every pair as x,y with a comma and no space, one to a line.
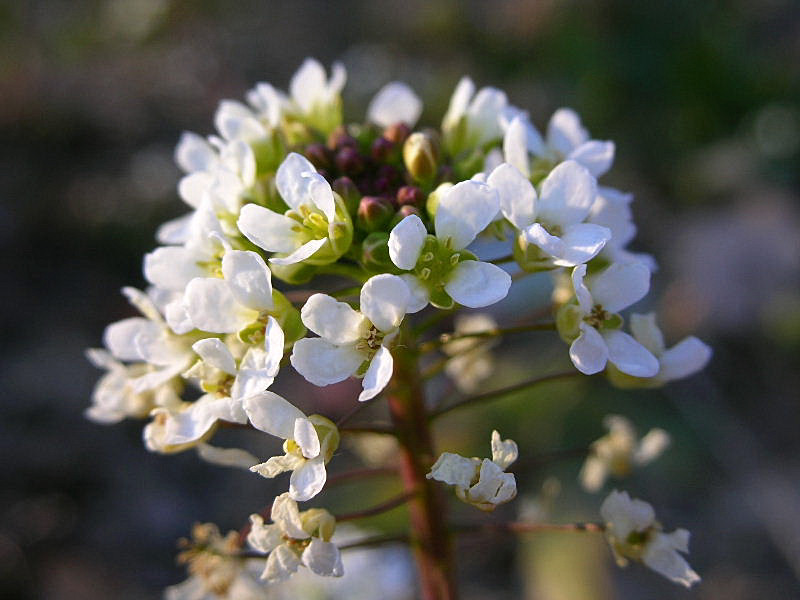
286,190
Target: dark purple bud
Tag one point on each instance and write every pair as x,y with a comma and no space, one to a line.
403,213
349,161
397,133
319,156
383,150
374,212
410,195
339,138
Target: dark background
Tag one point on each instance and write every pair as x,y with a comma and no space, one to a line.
702,100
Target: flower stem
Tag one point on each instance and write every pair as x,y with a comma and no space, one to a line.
430,537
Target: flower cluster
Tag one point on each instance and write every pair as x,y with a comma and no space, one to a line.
285,193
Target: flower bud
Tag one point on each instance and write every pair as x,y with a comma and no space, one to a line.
421,156
319,156
404,211
340,138
375,251
397,133
349,161
349,193
374,212
410,195
383,150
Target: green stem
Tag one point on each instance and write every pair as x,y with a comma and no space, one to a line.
431,541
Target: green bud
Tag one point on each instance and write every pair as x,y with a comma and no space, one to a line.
374,213
421,156
269,153
375,252
434,196
349,193
568,321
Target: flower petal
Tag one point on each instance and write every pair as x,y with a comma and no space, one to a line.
308,481
516,194
629,356
620,285
579,244
687,357
567,195
216,354
267,229
211,305
249,279
172,267
504,452
323,558
323,363
378,374
226,457
291,180
565,132
281,564
475,284
625,515
647,332
305,251
335,321
263,538
306,437
595,155
588,352
383,301
272,414
394,103
515,146
120,337
418,294
193,153
661,555
454,469
464,211
405,242
321,195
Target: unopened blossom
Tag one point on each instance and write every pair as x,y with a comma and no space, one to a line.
441,269
619,451
566,139
316,229
482,483
592,324
471,361
309,443
634,534
394,103
216,570
315,98
551,224
353,342
295,538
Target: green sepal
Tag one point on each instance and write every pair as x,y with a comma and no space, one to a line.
568,321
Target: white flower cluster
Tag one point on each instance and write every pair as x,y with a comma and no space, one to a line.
283,190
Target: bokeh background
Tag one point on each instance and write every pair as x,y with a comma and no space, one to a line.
703,100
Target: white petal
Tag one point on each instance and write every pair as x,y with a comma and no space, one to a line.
172,267
193,153
291,182
305,251
378,374
263,538
464,211
490,481
582,293
286,514
193,188
418,294
484,114
629,356
568,193
272,414
194,422
211,306
335,321
383,301
120,337
579,244
277,465
235,121
596,156
405,242
620,285
647,332
216,354
625,515
322,363
256,373
661,555
454,469
516,194
593,473
565,132
394,103
308,84
475,284
307,481
651,446
458,102
515,146
144,303
323,558
281,563
685,358
249,279
238,156
175,231
504,452
267,229
274,340
177,317
226,457
306,437
321,195
588,352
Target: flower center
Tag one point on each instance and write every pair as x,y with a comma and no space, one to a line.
597,317
311,223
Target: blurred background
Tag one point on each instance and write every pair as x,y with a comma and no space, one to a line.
703,100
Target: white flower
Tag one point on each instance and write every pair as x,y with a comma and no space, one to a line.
311,230
634,533
353,342
309,443
227,305
482,483
567,139
685,358
295,538
471,360
612,209
619,451
315,97
553,221
442,271
599,299
394,103
218,573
